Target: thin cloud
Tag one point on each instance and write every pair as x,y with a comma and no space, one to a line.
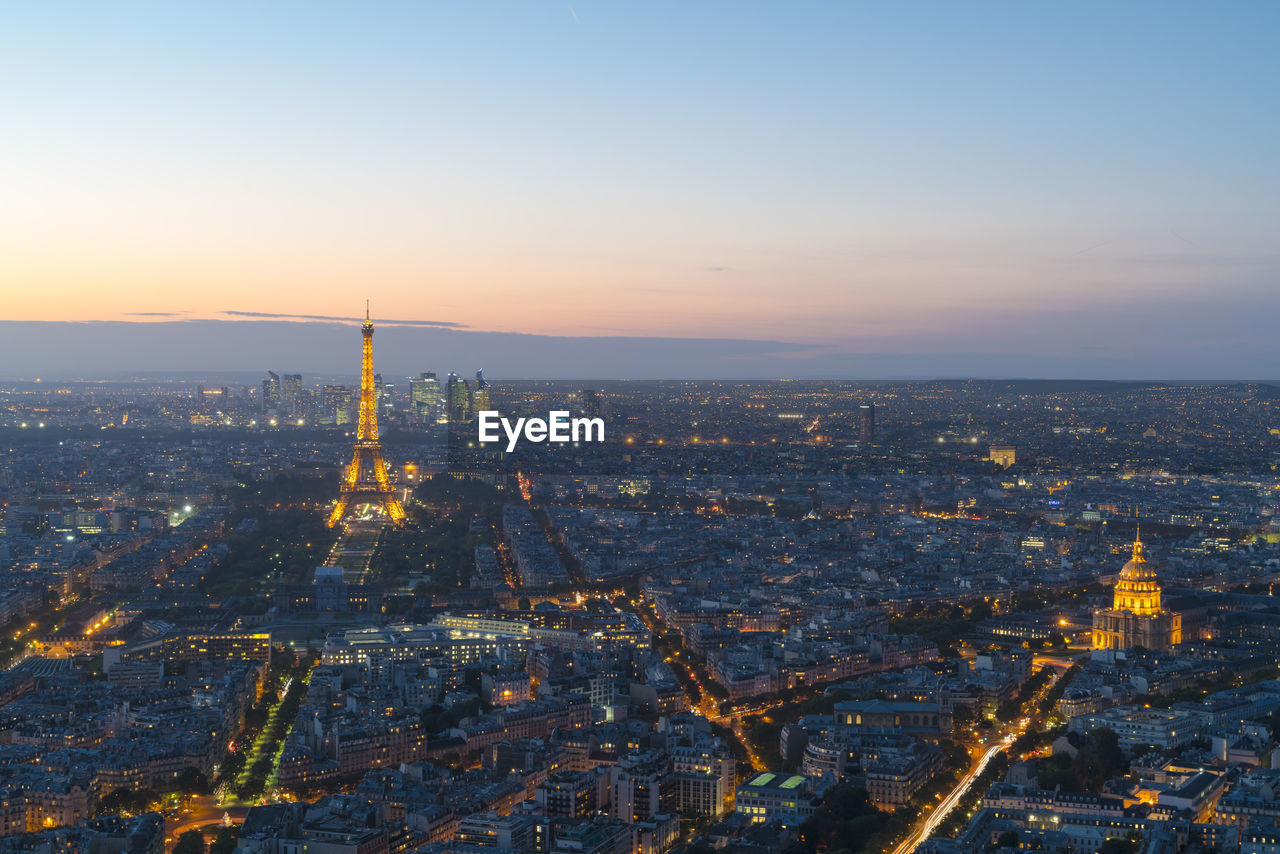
265,315
156,313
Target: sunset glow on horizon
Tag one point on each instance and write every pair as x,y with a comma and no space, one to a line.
852,177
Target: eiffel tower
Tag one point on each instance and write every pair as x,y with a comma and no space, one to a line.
365,480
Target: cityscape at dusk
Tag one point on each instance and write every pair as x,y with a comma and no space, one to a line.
617,428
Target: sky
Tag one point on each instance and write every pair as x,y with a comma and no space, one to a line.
820,189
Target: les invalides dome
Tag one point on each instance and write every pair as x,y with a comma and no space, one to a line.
1136,618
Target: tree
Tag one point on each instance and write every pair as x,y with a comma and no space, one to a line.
848,801
1008,839
191,842
1107,744
847,821
1008,710
225,843
124,800
1117,845
1098,759
980,611
191,781
397,605
957,756
523,604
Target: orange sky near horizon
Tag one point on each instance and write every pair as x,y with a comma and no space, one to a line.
745,288
860,177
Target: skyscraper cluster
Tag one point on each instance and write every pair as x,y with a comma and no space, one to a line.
462,400
429,403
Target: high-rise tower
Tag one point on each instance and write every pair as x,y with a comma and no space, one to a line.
457,395
424,397
482,394
270,391
365,480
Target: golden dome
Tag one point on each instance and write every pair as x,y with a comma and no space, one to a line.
1137,569
1138,588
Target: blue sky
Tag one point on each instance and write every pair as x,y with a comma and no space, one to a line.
1092,184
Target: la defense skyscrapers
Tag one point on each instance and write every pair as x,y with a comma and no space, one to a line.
455,403
366,480
481,395
424,397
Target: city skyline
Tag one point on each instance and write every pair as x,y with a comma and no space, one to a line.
853,191
818,428
751,607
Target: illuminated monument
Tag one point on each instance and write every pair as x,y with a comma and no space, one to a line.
365,481
1136,618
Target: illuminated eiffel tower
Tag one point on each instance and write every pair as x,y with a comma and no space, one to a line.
365,480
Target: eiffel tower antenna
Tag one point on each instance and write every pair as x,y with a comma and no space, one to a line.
365,481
